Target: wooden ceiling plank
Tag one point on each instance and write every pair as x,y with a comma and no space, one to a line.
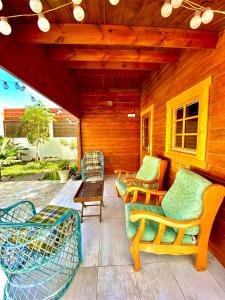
155,56
111,65
91,34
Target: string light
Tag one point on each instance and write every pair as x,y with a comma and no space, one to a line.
1,5
43,23
5,27
166,9
196,20
203,15
36,6
78,13
114,2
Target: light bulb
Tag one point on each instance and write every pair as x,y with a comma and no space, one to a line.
196,20
78,13
166,9
1,5
36,6
114,2
76,2
176,3
207,15
5,28
43,23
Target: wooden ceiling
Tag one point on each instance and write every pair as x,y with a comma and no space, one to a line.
115,47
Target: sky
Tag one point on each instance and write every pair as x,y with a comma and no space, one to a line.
14,98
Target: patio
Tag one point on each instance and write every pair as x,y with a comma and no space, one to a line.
107,270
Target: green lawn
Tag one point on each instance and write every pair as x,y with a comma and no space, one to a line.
22,169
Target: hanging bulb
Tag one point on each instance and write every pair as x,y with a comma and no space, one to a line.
196,20
1,5
166,9
114,2
36,6
5,85
78,13
22,88
207,15
17,86
5,27
76,2
43,23
176,3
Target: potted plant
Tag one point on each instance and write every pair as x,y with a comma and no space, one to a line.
74,174
64,170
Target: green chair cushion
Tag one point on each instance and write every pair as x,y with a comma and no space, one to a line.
121,186
183,201
149,168
151,227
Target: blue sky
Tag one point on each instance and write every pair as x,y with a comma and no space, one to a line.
14,98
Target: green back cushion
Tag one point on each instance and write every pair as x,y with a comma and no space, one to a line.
149,168
183,201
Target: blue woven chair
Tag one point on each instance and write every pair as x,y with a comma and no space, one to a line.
39,253
92,164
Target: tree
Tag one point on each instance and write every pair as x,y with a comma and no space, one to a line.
36,120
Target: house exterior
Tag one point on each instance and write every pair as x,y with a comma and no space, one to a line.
63,130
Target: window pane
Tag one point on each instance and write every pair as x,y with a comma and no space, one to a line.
14,129
179,127
190,142
145,122
178,141
63,129
191,126
192,110
179,113
145,142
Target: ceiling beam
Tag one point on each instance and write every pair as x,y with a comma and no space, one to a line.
110,73
111,65
77,54
91,34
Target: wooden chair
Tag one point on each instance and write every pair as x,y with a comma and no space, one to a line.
180,225
150,175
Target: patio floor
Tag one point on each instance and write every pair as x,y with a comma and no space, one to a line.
39,192
107,271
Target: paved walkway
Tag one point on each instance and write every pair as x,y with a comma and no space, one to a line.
39,192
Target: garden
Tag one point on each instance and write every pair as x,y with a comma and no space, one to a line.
35,123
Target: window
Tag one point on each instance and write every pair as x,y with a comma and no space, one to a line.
14,129
145,132
187,118
63,129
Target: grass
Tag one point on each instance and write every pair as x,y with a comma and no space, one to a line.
23,169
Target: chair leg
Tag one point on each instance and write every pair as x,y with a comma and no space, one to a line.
134,251
117,193
201,259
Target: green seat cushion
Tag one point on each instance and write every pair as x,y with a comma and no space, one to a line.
149,169
183,201
151,227
121,186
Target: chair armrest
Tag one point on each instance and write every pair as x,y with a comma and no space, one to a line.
142,214
147,192
19,212
140,181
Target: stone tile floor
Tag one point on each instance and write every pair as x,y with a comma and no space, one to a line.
39,192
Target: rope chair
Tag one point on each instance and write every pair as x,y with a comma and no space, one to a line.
39,253
92,164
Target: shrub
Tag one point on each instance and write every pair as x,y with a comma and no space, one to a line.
51,176
64,165
36,165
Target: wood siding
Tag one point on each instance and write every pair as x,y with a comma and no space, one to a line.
170,81
108,128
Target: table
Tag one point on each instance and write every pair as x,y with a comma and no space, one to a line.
90,191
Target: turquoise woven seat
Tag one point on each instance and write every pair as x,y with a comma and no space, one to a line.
92,164
39,253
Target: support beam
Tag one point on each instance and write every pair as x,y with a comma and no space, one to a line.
110,73
91,34
111,65
77,54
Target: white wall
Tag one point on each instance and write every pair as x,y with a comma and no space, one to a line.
51,148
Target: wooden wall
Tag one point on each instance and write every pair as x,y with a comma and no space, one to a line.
31,65
194,66
108,128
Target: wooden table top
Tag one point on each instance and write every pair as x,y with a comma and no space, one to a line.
90,191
